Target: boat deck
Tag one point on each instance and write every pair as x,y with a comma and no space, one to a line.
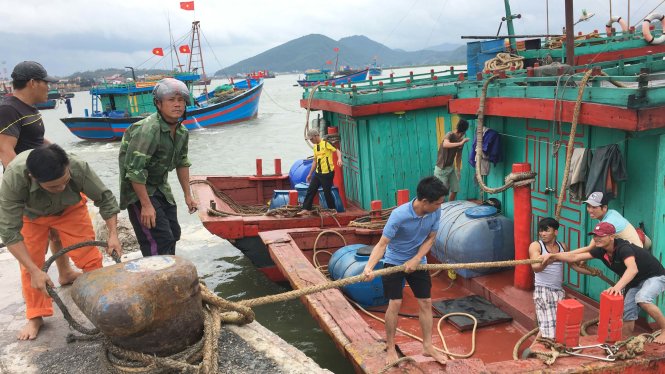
361,338
254,191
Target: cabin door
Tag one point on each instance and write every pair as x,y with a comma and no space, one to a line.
350,159
546,145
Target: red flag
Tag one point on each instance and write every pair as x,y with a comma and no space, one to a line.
158,51
336,49
187,5
184,49
328,62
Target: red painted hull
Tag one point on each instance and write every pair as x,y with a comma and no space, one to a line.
362,339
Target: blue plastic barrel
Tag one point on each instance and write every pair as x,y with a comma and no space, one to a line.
347,262
469,232
279,199
299,171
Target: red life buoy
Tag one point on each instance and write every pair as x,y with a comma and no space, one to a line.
646,32
621,21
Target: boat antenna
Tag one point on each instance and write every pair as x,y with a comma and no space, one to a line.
336,49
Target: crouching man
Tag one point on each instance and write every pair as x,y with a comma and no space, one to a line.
41,191
642,275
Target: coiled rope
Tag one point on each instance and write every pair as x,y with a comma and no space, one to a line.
504,61
512,179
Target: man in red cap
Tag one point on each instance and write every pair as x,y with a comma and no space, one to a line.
642,276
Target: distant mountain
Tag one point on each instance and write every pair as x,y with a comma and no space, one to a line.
315,50
444,47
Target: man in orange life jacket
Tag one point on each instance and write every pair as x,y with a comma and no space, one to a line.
322,172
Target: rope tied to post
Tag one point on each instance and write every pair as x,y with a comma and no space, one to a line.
512,179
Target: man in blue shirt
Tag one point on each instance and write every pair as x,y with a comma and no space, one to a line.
407,237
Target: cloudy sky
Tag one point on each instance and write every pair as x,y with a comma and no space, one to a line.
74,35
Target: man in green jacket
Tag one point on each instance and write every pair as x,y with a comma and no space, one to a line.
42,190
150,149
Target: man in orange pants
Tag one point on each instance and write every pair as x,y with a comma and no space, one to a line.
41,190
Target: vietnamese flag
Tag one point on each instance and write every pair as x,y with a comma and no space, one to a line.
187,5
184,49
158,51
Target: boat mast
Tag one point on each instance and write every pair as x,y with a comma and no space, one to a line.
509,23
196,55
570,34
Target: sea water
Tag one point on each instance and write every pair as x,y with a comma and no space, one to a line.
277,132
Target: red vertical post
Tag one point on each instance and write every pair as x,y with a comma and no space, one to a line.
259,167
402,197
522,229
610,321
568,319
278,166
338,179
375,212
293,197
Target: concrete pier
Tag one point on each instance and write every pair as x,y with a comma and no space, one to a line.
242,349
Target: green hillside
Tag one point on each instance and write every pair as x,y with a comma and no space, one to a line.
313,51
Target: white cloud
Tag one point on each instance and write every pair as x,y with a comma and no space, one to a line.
71,35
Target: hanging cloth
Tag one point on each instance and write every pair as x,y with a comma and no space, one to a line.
580,162
607,168
491,150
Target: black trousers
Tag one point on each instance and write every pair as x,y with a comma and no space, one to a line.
320,180
161,239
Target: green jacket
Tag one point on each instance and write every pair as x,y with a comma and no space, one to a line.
20,195
147,154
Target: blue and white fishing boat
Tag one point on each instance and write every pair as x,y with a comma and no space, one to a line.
114,107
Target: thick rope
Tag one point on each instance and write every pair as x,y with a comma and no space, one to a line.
512,179
571,142
366,222
557,42
294,294
504,61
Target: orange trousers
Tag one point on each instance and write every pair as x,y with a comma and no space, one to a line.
74,226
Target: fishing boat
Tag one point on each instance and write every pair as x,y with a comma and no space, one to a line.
374,69
114,107
602,92
236,208
322,76
301,254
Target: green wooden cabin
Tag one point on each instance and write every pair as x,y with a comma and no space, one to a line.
390,130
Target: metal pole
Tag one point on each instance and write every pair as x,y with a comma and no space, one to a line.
509,23
628,12
547,14
611,9
570,34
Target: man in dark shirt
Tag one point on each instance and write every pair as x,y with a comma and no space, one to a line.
22,128
450,148
641,274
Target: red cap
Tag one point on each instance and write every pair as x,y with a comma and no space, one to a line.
603,229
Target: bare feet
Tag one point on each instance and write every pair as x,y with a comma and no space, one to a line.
438,356
31,329
391,355
68,277
660,339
